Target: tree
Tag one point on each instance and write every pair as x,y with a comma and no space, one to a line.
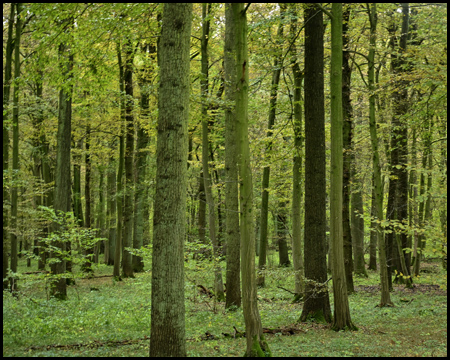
297,191
396,240
15,154
347,117
168,314
378,187
127,265
341,319
266,172
63,178
317,303
232,233
119,186
218,283
256,345
6,96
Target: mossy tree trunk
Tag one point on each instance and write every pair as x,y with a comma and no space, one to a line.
167,337
342,319
256,345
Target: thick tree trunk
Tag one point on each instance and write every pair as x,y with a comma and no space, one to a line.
232,233
167,336
342,319
317,303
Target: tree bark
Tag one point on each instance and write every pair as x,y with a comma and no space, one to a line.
342,319
256,345
167,336
297,188
127,264
6,96
15,150
347,113
232,234
63,178
378,186
317,303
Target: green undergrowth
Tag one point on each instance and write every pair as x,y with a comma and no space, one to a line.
103,317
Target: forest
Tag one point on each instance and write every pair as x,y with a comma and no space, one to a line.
224,179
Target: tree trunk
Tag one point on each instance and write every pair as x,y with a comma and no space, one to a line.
167,336
119,194
111,212
317,303
6,96
232,233
398,182
357,229
15,155
342,319
266,172
218,283
378,186
297,190
347,113
127,265
256,345
63,177
89,252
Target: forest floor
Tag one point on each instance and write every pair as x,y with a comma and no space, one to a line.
103,317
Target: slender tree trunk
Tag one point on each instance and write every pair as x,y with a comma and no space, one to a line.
87,267
232,234
168,314
347,113
378,187
111,213
218,283
127,266
15,154
297,190
6,96
357,229
266,172
256,345
119,200
63,178
317,303
282,231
